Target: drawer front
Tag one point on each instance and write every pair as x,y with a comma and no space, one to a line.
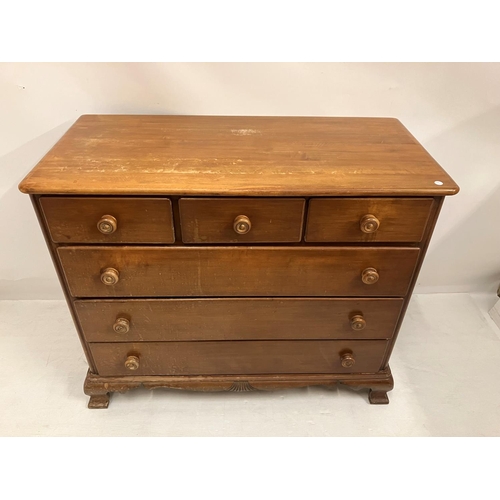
238,358
237,271
237,220
367,219
237,319
108,220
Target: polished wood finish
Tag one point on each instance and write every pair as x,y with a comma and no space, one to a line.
238,156
107,224
435,210
52,247
239,358
237,253
132,363
121,325
347,360
370,276
81,220
239,271
110,276
237,319
242,224
358,322
233,220
99,388
369,224
367,219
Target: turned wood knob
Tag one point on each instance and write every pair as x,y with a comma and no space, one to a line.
121,325
107,224
347,360
110,276
369,223
369,276
242,224
358,322
132,363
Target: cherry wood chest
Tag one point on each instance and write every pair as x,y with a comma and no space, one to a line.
237,253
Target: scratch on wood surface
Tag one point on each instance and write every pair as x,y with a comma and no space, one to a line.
197,171
199,278
245,131
196,229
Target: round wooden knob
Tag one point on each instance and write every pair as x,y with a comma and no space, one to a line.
369,276
121,325
107,224
369,223
347,360
358,322
110,276
242,224
132,363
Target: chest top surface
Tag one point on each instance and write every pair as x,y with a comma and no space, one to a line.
238,156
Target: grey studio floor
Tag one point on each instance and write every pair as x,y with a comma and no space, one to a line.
446,366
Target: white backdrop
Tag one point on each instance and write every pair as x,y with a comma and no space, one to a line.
452,109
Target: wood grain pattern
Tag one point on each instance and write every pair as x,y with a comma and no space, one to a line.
210,220
139,220
237,155
236,319
237,271
238,358
431,224
99,388
52,248
338,220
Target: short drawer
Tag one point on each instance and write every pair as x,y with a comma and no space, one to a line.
367,219
238,358
239,220
108,220
237,271
237,319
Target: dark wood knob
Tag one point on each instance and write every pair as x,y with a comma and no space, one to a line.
110,276
121,325
358,322
369,276
132,363
369,223
242,224
107,224
347,360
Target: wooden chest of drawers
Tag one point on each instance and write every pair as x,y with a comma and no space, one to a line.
237,253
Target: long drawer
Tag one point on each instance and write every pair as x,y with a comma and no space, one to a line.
238,358
136,320
237,271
